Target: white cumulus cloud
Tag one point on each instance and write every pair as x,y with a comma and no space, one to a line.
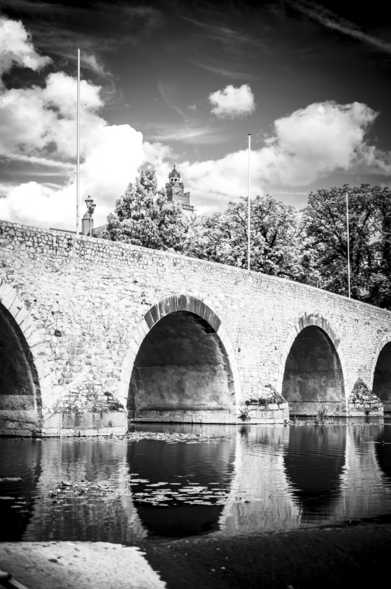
38,127
232,102
105,172
36,204
319,139
16,47
109,165
32,119
306,145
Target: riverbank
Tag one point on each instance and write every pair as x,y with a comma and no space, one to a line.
354,556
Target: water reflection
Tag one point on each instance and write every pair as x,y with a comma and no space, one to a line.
364,494
106,513
383,451
17,457
260,498
314,464
180,467
255,478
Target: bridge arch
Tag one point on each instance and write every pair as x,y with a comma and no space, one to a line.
381,372
25,384
312,367
180,365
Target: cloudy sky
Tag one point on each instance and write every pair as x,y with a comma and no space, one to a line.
180,81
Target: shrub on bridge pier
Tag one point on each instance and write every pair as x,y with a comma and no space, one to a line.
362,399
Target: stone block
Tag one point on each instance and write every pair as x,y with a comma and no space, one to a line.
125,375
34,339
7,295
17,403
21,315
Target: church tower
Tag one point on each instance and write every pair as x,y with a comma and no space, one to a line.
175,192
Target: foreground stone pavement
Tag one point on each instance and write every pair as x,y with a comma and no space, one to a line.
79,565
354,556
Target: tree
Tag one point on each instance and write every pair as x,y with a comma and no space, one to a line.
143,216
275,237
380,282
369,240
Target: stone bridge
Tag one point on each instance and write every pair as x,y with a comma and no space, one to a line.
95,333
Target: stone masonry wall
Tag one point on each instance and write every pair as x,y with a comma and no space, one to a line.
81,303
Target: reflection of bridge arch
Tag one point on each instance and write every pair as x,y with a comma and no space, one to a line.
205,465
180,365
99,516
380,380
274,490
314,464
383,451
20,460
312,367
25,382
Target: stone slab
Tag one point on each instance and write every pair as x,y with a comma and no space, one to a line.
85,565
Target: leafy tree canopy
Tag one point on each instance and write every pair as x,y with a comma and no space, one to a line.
275,237
369,241
143,216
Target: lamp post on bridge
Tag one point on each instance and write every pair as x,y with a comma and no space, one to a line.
88,221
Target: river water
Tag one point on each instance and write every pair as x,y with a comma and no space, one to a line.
248,480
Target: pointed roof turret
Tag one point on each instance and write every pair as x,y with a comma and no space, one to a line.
174,173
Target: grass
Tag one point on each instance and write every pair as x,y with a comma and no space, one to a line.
323,413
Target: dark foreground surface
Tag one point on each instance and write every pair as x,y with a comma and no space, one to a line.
354,556
358,556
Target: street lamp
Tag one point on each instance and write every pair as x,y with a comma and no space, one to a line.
88,222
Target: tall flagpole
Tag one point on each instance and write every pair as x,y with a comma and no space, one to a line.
348,240
249,208
78,148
